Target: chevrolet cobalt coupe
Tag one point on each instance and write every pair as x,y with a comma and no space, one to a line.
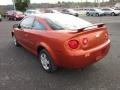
61,40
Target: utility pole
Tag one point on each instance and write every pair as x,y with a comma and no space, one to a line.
14,5
99,3
102,2
86,2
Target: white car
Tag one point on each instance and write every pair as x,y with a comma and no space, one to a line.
118,10
52,11
94,12
110,11
32,12
82,11
71,12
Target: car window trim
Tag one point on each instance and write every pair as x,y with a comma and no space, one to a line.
24,19
39,23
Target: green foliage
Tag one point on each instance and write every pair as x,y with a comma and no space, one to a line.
21,4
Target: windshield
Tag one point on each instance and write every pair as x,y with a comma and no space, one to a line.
63,22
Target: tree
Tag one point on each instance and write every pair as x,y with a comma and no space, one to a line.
21,4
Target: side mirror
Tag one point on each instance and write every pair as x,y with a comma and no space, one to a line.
16,26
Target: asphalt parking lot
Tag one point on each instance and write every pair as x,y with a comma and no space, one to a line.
20,70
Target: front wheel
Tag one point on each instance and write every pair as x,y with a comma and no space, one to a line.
15,41
14,19
46,61
112,14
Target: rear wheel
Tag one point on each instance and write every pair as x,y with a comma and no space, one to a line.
87,14
97,14
9,18
15,41
15,19
77,15
46,61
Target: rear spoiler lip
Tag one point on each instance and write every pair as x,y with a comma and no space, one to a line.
99,25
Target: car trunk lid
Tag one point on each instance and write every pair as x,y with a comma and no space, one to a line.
91,37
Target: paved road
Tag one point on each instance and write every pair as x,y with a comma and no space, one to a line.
20,70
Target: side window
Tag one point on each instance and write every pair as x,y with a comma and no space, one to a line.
27,22
53,25
106,9
37,25
92,10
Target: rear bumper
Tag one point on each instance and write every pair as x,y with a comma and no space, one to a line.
81,59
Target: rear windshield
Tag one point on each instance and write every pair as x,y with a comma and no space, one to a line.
65,22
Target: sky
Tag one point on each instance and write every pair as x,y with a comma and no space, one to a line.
6,2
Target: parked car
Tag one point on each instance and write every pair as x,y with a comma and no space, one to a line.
0,17
118,10
71,12
52,11
61,40
110,11
14,15
94,12
32,12
82,11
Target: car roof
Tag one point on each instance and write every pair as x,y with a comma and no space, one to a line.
49,15
56,16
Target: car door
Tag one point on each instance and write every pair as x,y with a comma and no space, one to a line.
92,11
107,11
34,35
26,25
19,34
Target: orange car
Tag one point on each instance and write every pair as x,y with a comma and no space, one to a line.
61,40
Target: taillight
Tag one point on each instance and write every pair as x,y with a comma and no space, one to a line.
85,41
73,44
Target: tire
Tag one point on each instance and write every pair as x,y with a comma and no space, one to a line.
46,61
112,14
97,14
15,41
77,15
9,18
15,19
87,14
